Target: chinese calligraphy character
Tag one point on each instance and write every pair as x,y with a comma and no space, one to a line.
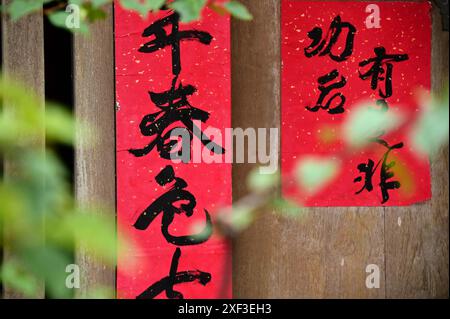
370,168
377,73
325,90
162,39
174,107
165,205
324,46
166,284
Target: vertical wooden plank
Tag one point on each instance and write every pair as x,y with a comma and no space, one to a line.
417,236
255,74
23,60
95,145
326,253
356,240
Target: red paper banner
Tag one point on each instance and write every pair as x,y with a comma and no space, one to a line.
336,56
169,75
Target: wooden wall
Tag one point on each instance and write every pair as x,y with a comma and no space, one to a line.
95,177
326,254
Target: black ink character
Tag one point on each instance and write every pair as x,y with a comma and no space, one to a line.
166,284
175,107
162,39
325,90
370,168
324,46
165,204
377,72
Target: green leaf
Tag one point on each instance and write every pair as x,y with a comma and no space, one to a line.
238,10
15,276
20,8
241,217
59,19
189,10
94,232
12,206
258,182
100,293
49,263
99,3
94,14
233,220
77,2
22,119
134,5
288,208
431,130
365,123
59,124
142,7
313,173
155,5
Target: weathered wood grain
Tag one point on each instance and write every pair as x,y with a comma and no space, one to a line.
95,144
255,52
325,254
417,236
23,60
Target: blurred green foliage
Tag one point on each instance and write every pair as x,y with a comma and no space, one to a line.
431,130
312,172
36,202
38,214
93,10
428,134
366,122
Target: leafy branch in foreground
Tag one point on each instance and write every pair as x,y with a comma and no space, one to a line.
90,11
38,213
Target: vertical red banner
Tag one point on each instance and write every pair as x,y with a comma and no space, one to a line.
336,56
171,75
